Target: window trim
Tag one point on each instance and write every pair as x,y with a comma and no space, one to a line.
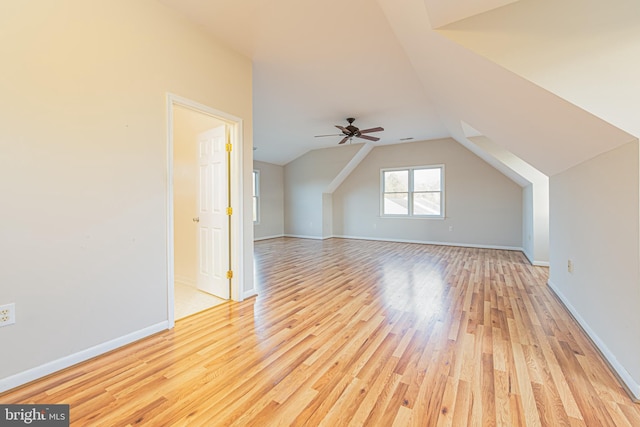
411,192
255,175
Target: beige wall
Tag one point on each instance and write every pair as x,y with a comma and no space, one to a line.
594,223
305,180
535,221
83,170
482,205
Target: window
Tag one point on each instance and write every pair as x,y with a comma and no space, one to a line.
256,195
413,192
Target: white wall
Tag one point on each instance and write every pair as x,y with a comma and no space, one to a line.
541,221
482,205
535,196
527,222
305,180
271,201
83,170
594,223
185,185
327,215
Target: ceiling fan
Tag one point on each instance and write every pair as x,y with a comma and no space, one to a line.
350,131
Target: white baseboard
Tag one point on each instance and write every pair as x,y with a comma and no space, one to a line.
534,262
427,242
183,280
73,359
529,257
632,386
300,236
422,242
255,239
249,294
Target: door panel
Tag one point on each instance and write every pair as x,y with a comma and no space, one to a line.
213,253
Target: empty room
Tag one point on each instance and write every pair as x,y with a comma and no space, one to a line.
415,213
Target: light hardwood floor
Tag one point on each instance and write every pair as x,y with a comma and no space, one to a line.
348,332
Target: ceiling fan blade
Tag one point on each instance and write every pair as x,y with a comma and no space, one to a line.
333,134
343,140
378,129
343,129
370,138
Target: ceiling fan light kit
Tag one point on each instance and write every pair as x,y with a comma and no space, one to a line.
350,131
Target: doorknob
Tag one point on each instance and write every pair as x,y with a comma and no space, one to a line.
196,219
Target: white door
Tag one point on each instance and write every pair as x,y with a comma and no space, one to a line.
213,240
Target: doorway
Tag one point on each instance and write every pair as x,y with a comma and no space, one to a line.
200,231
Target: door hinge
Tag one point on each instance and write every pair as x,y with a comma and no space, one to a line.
230,274
227,147
229,210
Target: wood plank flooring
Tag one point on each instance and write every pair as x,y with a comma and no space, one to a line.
350,333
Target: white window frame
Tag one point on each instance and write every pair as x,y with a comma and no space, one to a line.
256,196
409,213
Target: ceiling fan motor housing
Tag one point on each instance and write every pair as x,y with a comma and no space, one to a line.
350,131
353,131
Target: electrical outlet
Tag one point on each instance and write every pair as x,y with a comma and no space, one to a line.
7,314
570,266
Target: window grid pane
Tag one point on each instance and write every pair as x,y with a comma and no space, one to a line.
413,192
427,203
256,201
255,178
255,209
396,204
396,181
426,179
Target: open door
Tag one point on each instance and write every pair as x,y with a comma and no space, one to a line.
221,251
212,219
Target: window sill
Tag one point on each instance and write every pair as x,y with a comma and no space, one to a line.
411,217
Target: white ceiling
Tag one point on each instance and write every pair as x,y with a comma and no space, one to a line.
585,51
317,63
442,12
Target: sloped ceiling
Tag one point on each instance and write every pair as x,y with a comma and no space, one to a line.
541,128
316,63
585,51
442,12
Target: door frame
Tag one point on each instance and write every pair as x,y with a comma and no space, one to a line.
235,231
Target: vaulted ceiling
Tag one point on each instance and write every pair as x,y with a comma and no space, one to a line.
554,83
